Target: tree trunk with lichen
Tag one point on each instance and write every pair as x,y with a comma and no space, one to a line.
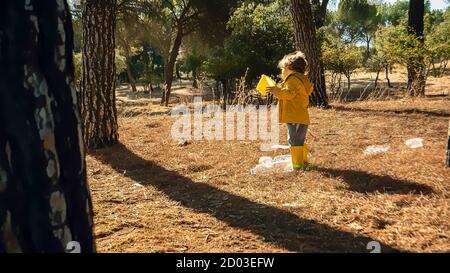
98,81
306,41
44,198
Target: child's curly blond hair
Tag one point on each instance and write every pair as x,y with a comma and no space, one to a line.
295,61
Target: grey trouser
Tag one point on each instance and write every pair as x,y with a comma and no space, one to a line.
297,134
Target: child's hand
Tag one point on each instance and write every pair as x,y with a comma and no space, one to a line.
270,89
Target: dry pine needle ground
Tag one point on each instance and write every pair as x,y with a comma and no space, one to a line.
151,195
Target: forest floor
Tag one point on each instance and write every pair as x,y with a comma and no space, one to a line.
152,195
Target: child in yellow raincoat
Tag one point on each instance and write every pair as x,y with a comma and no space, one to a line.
293,94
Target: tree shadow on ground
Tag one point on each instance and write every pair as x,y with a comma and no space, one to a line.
363,182
281,227
381,111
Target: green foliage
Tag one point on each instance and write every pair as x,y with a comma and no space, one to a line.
121,64
438,41
397,13
222,38
432,19
77,32
339,57
261,34
192,62
221,65
358,19
394,14
376,62
396,45
148,65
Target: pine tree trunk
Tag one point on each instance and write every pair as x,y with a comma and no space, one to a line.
98,81
305,37
416,68
45,201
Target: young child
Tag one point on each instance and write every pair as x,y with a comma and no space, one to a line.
293,94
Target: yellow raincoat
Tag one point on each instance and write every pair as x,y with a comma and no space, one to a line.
294,99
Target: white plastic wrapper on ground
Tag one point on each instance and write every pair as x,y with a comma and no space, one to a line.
279,164
414,143
376,149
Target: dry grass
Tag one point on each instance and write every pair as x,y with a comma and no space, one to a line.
151,195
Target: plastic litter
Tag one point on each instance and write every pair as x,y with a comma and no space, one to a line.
263,83
266,161
376,149
414,143
279,164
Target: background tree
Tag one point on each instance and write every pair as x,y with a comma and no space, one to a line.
98,81
359,21
340,58
128,31
174,19
192,63
319,10
260,35
376,63
416,67
44,197
395,13
306,41
438,44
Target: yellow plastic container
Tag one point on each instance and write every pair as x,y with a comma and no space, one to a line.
265,82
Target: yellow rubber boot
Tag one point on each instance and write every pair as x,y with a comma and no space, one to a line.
305,154
297,157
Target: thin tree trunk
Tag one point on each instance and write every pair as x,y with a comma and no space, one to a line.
387,76
224,94
177,71
305,38
434,69
349,82
130,76
169,67
377,78
151,89
131,79
98,82
194,75
45,203
368,39
444,67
